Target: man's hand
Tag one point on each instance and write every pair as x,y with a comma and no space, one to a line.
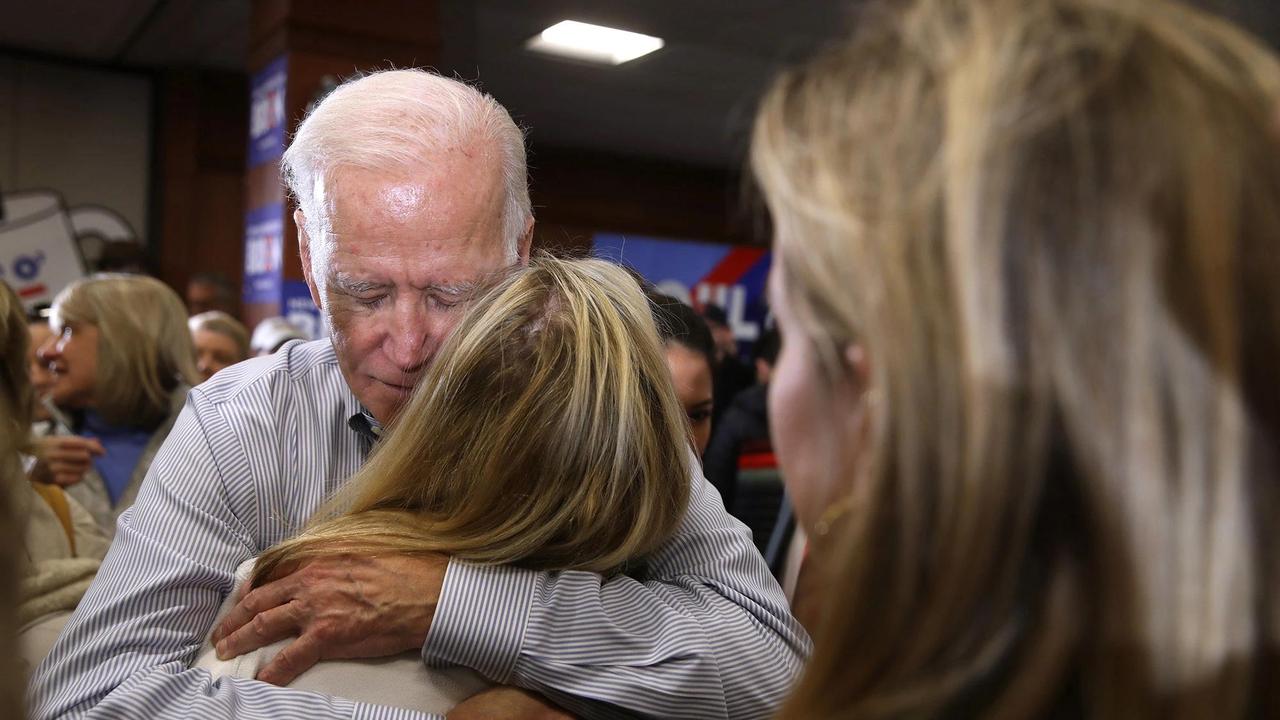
507,703
64,459
347,606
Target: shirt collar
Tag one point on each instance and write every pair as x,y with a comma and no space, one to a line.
365,425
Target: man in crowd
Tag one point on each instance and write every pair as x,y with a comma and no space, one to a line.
411,190
744,427
731,375
209,291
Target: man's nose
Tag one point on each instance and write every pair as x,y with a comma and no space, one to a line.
408,338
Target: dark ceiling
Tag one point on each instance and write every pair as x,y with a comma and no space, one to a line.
690,102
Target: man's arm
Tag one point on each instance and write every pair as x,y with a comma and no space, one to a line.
125,652
705,633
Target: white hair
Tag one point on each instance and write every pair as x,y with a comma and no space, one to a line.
400,119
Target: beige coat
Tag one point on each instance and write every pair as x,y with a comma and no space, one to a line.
46,539
53,576
92,491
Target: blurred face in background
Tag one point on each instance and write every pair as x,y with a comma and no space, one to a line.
691,375
205,296
41,377
72,356
726,344
214,351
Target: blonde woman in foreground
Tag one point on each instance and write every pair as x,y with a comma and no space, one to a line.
1029,287
15,437
546,435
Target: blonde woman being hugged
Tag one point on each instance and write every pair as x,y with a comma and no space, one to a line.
546,435
122,361
1028,282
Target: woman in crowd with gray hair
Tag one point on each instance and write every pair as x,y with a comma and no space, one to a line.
122,360
220,340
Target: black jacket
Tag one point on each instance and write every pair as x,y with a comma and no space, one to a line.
744,428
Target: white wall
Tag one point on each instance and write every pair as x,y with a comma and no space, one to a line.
81,131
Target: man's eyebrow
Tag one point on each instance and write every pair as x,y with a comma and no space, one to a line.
357,285
463,288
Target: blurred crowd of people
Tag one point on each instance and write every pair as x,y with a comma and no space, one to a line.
1018,383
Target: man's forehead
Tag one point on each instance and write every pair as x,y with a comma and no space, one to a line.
450,176
369,207
436,272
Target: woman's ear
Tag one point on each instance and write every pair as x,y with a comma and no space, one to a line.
858,365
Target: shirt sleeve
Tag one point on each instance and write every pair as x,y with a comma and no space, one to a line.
704,632
125,653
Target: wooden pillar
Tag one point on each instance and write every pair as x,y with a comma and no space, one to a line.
298,48
198,181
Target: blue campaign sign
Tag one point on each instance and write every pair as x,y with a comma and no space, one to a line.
266,112
301,310
731,276
263,253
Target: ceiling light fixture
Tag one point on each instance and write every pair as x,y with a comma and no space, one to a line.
595,43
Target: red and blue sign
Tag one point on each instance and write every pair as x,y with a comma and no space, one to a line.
731,276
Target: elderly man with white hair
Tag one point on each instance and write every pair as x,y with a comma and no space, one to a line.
411,190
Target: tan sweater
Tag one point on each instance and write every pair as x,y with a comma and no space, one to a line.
54,575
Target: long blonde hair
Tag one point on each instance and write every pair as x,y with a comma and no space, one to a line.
1053,226
546,434
16,397
15,432
144,346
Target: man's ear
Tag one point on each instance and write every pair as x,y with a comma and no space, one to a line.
304,254
526,242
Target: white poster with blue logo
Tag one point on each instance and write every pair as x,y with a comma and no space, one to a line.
266,112
700,273
43,242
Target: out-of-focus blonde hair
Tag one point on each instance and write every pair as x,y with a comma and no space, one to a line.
15,432
144,346
546,434
219,322
1053,226
16,398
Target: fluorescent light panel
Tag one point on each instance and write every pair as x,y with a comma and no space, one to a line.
594,43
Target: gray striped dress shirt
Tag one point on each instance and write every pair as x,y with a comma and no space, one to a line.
702,632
